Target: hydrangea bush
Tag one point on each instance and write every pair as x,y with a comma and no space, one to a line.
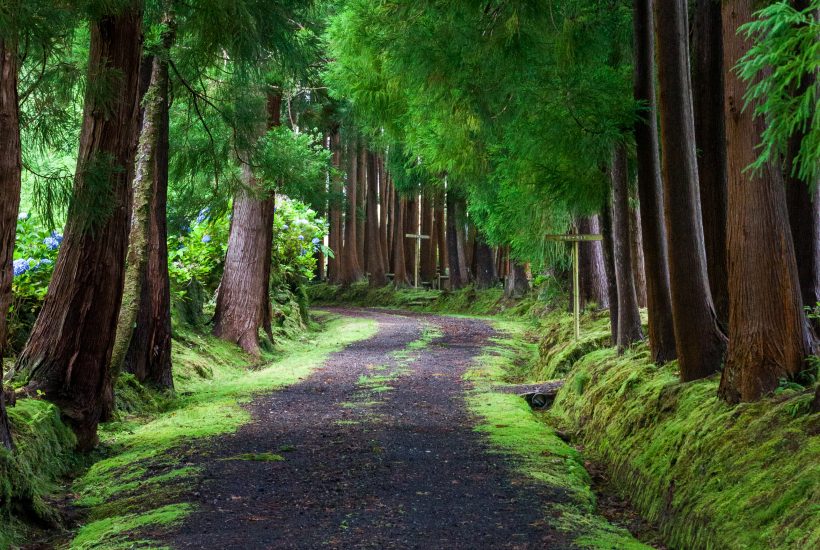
35,252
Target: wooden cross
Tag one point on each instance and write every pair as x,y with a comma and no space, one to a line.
418,238
575,239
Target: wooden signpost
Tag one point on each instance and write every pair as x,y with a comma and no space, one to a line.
576,240
418,238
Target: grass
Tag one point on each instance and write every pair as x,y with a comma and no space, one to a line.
258,457
135,484
541,456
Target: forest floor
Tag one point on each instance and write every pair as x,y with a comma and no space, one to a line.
397,441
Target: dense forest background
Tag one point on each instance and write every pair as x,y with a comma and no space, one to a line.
169,164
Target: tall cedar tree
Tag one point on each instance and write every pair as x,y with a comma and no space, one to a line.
609,267
400,277
10,166
69,349
350,267
441,235
335,222
768,332
650,190
374,240
707,79
361,205
243,301
629,318
384,197
636,247
143,345
428,250
516,284
485,274
699,341
458,278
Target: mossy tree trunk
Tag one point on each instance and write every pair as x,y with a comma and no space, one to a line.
69,350
10,170
591,261
769,337
243,301
485,274
629,318
608,249
650,190
516,284
698,338
143,344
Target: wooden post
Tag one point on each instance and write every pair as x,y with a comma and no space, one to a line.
418,238
576,241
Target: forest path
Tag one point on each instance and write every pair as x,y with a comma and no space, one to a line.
374,450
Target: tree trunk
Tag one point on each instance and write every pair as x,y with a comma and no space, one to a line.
10,171
699,341
516,284
629,318
456,260
361,205
768,332
461,241
804,208
636,246
143,343
351,270
69,349
707,79
383,209
400,278
650,192
441,236
485,264
335,225
411,225
428,249
608,247
374,240
591,262
243,300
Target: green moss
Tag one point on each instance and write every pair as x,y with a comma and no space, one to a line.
258,457
711,475
541,456
111,533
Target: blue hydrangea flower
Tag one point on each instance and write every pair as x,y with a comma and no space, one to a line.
20,267
44,261
285,227
301,237
22,216
51,243
206,238
57,236
203,215
316,240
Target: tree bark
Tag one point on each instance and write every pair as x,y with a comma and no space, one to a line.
361,205
10,172
243,300
411,225
69,349
768,332
485,264
400,278
374,240
636,247
441,236
335,225
699,341
629,318
608,247
428,249
650,191
456,260
383,210
707,79
143,343
591,261
351,270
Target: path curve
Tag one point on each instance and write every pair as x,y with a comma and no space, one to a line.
379,452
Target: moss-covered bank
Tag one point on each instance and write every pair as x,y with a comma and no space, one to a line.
708,474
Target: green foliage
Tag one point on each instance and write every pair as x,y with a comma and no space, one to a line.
785,57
